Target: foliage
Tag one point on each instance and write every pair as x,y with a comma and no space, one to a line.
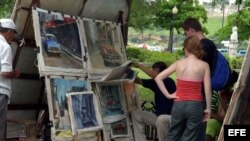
146,14
241,20
164,17
6,6
166,57
149,57
141,14
145,94
133,53
236,62
180,52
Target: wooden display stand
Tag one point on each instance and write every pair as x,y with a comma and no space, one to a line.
82,105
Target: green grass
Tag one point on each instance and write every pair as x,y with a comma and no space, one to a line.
213,24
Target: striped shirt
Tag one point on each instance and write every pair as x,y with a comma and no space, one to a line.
214,101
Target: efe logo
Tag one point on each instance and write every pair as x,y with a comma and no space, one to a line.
241,132
236,132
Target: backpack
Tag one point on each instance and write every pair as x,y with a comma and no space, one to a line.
221,72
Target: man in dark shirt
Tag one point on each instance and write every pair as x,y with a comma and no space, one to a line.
192,27
163,106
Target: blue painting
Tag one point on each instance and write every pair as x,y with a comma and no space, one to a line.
60,40
59,88
84,111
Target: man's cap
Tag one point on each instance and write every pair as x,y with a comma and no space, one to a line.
7,23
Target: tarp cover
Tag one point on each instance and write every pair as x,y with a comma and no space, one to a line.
95,9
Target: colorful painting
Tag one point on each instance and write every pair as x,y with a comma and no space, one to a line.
104,45
84,111
60,41
111,100
119,128
59,88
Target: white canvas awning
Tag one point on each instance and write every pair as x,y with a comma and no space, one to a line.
109,10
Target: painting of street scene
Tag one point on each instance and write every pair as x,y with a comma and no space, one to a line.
119,128
59,88
61,44
104,45
111,100
83,111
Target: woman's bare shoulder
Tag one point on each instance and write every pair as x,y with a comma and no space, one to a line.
181,60
203,63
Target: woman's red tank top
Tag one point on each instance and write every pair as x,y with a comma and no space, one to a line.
189,90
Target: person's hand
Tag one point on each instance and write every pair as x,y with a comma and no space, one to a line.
207,114
135,64
172,96
17,73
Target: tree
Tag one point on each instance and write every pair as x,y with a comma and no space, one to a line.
141,14
241,19
164,17
6,7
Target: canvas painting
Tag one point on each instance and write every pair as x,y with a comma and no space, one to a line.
120,128
58,108
112,102
105,48
59,40
84,111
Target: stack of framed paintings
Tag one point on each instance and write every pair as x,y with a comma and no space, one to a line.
76,46
57,88
114,111
75,53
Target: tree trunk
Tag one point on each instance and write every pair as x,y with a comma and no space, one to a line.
170,39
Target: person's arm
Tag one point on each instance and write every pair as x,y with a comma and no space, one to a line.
138,80
145,69
163,75
224,105
208,93
6,64
13,74
215,115
225,100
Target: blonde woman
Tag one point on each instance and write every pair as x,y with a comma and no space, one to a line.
191,74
